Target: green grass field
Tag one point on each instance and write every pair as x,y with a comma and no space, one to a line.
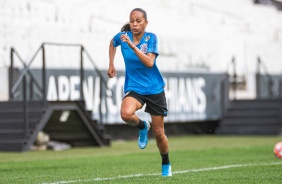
194,159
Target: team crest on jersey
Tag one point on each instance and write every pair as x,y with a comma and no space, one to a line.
147,38
144,48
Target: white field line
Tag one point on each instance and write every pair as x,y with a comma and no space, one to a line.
174,172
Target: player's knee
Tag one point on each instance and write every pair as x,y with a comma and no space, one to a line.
161,138
159,135
126,115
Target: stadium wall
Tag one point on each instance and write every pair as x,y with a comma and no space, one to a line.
194,35
191,97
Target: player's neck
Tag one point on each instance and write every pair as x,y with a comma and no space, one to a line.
137,38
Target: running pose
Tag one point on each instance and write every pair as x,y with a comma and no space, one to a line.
143,84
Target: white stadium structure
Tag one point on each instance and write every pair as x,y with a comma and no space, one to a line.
220,59
194,35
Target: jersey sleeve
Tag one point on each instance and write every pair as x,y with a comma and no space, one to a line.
117,40
153,44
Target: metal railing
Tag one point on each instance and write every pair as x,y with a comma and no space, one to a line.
26,70
262,69
222,85
21,80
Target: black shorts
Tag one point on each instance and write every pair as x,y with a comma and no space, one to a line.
155,104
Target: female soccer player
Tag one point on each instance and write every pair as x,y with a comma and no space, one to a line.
143,82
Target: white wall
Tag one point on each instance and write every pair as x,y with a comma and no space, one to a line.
191,32
4,92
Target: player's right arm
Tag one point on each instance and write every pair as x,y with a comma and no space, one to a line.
112,52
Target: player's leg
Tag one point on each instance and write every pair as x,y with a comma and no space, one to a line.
162,143
157,108
130,104
159,133
128,108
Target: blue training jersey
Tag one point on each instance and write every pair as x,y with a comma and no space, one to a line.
138,77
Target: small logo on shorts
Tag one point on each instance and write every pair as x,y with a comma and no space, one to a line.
165,112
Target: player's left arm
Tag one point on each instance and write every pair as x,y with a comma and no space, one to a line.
147,59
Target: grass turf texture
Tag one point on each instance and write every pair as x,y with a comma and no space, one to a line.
195,159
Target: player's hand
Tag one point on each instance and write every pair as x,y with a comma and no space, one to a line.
111,72
125,38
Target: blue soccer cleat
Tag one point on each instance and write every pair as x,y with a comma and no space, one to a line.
166,170
143,135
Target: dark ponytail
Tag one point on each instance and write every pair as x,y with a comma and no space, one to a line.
125,28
